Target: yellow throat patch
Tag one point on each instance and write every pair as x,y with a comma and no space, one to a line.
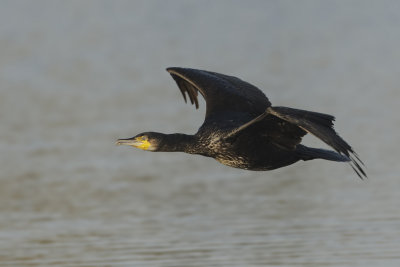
144,144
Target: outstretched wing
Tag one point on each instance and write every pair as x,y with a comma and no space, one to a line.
221,92
282,133
321,126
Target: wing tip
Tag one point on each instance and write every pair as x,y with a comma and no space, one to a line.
170,69
177,74
174,69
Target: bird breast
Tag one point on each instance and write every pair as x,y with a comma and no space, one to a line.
233,161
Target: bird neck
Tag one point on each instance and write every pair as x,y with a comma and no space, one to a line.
178,142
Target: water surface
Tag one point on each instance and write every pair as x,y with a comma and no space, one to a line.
77,75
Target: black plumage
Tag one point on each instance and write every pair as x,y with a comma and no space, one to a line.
242,130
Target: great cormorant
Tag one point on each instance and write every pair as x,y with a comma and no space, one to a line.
242,130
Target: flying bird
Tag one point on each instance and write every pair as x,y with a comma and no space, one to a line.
241,129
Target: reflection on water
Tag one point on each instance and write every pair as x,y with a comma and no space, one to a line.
77,75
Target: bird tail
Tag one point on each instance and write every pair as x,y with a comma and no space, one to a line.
321,126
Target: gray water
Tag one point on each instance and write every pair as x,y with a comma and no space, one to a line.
77,75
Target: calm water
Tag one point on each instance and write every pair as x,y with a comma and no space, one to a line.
77,75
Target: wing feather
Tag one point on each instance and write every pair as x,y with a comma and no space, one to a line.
221,92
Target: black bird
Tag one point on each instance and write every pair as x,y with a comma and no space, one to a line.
242,130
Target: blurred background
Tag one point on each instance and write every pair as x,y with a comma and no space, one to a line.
77,75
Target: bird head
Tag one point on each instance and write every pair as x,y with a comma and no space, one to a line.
149,141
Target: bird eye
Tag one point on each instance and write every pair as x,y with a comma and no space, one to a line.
144,138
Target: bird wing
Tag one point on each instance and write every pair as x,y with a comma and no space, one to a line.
321,126
280,132
221,92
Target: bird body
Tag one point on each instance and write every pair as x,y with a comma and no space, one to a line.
242,130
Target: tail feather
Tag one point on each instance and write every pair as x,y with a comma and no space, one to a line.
320,125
